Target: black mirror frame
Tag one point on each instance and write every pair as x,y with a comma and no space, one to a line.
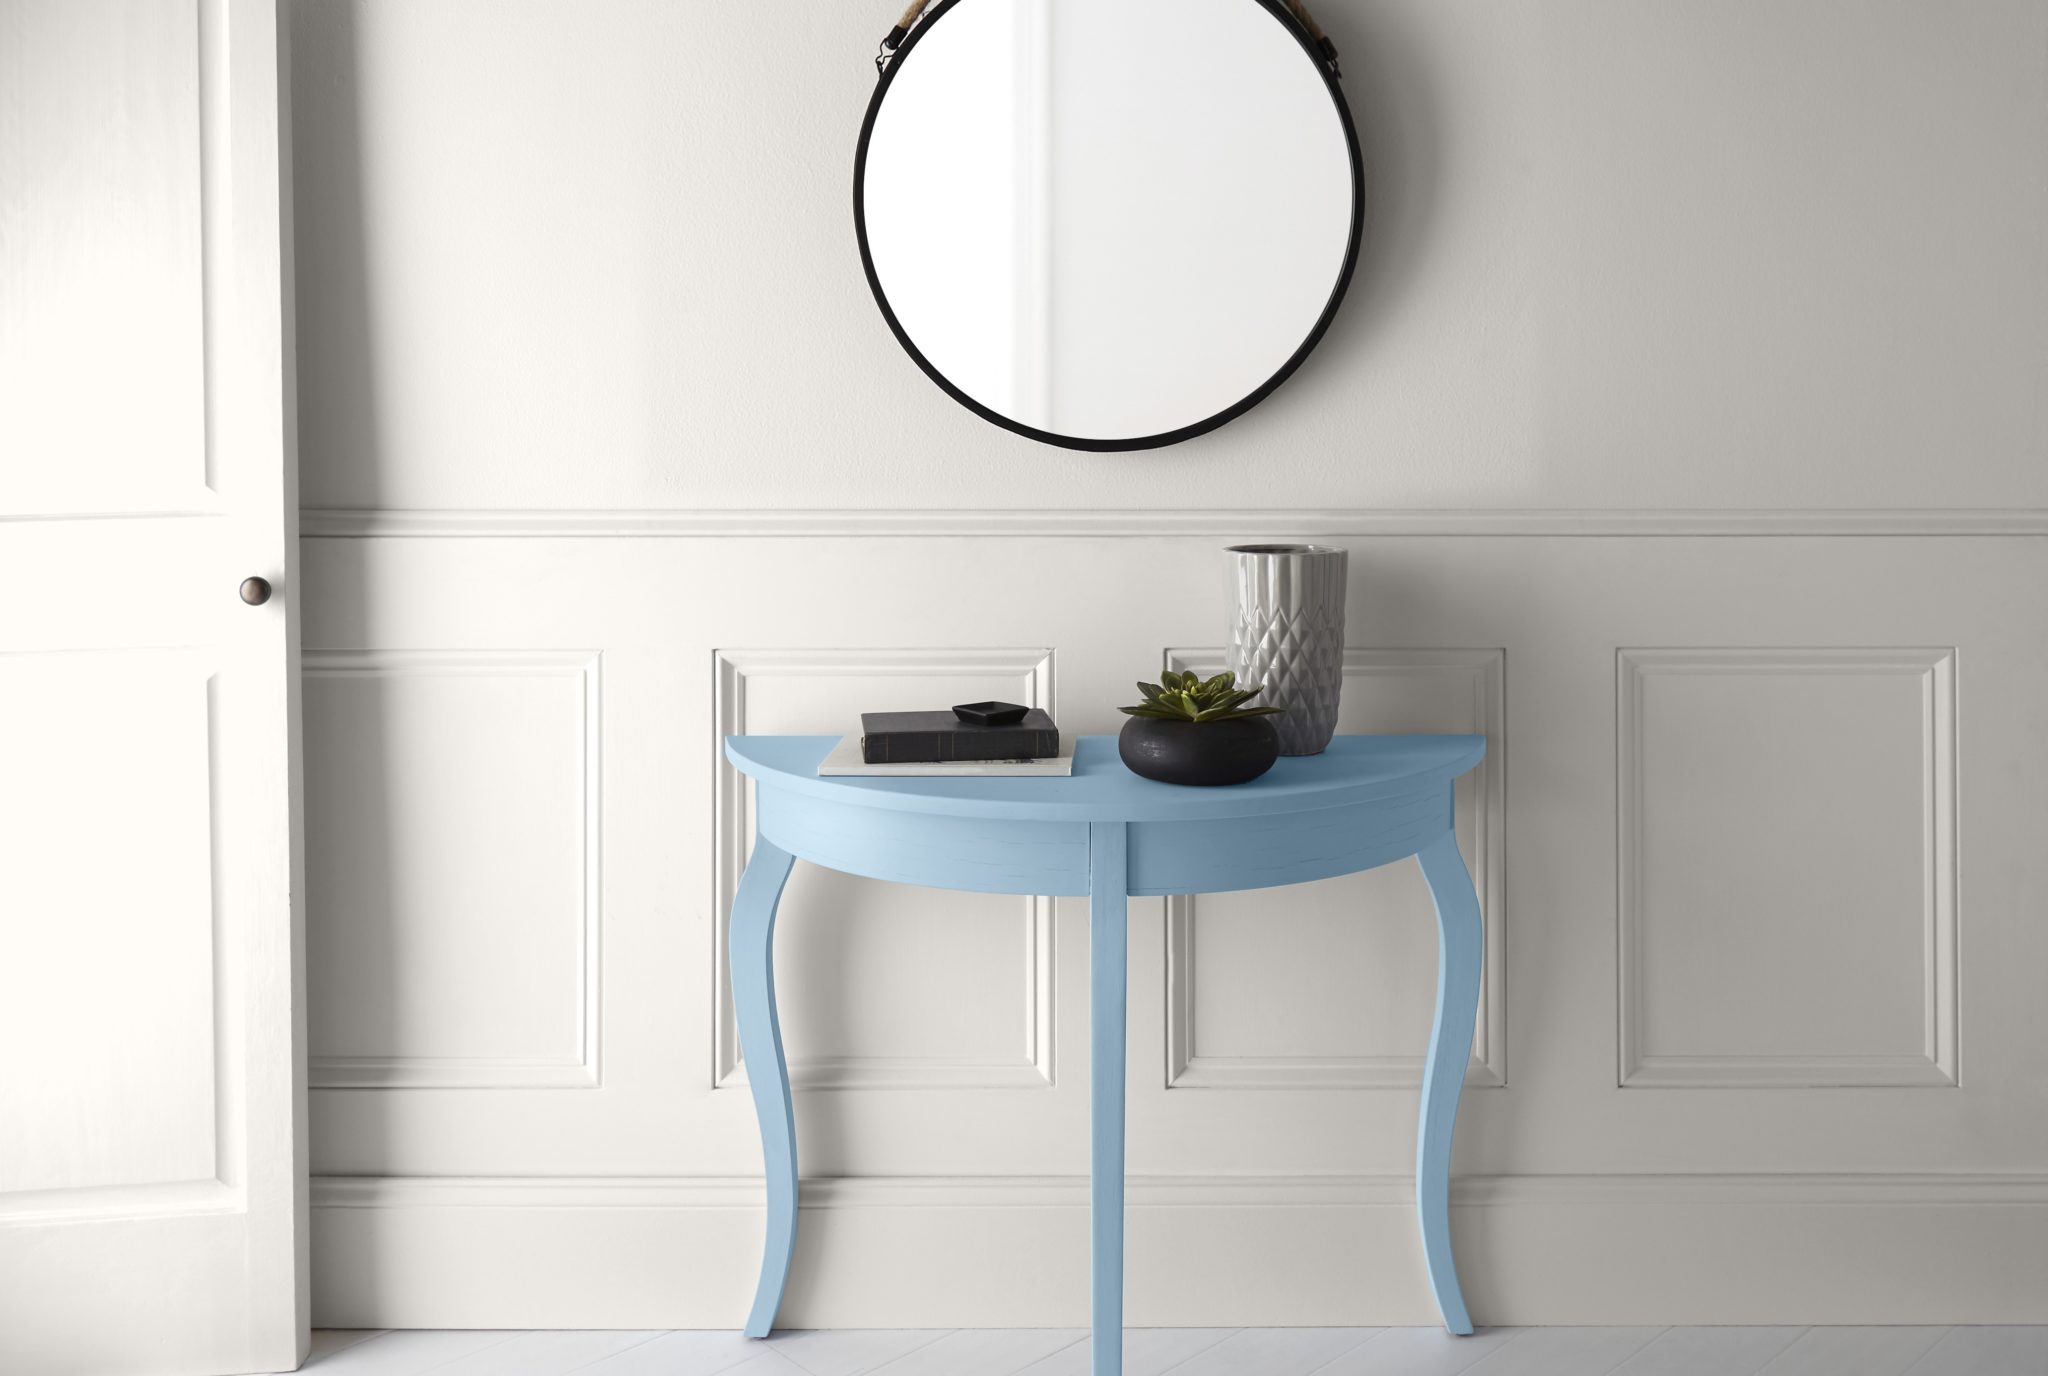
1323,67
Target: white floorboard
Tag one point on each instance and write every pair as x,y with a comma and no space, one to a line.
851,1351
1282,1351
1855,1352
679,1354
1564,1351
1417,1352
982,1352
328,1341
767,1363
1710,1352
1195,1352
407,1351
1147,1352
546,1353
1986,1352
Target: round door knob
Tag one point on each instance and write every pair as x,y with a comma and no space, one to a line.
255,591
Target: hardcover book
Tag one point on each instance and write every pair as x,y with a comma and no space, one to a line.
935,737
844,761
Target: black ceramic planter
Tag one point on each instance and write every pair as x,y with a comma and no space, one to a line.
1202,753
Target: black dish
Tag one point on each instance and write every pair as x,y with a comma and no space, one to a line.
989,713
1205,754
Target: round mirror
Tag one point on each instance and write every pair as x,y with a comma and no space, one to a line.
1108,224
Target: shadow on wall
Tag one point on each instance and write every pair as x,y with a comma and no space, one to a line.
339,426
1388,85
352,854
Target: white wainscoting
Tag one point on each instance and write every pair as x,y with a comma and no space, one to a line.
1793,944
1720,838
821,906
1337,949
457,937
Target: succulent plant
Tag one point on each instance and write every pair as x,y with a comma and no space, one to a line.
1187,697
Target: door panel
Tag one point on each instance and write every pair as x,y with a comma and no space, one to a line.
151,1167
102,174
122,1077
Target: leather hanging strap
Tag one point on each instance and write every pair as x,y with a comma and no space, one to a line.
1315,33
893,39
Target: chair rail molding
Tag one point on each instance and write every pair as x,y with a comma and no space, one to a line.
346,523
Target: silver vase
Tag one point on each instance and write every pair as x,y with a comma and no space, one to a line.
1287,635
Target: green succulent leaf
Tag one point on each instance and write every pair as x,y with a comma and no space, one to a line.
1183,695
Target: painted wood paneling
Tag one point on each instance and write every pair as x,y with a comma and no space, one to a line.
1352,1016
844,933
1560,1180
1765,941
455,890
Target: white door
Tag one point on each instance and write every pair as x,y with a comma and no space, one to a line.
151,1123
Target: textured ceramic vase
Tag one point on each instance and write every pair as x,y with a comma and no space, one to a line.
1287,635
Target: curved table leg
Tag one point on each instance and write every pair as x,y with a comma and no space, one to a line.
1460,950
751,943
1108,962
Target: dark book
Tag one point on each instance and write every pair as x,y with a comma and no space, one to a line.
933,737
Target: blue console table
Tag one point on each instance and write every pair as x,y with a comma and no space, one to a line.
1109,835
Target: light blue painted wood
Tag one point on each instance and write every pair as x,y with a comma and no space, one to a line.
1353,769
1104,832
1461,948
752,944
979,854
1282,848
1109,906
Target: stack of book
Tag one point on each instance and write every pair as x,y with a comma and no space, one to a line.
978,739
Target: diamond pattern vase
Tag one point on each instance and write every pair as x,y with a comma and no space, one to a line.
1287,635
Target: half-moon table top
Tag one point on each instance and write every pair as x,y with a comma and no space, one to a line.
1354,769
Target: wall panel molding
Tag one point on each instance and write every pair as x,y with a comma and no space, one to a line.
355,523
1484,677
580,1071
1935,1063
732,827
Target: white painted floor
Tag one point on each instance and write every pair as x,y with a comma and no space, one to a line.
1196,1352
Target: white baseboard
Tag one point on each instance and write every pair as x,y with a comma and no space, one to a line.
1013,1252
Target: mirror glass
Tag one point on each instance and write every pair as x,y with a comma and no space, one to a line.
1108,224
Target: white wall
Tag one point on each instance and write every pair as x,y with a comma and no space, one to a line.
607,451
